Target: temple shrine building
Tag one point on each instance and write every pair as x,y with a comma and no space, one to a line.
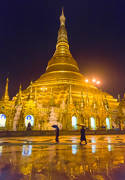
60,96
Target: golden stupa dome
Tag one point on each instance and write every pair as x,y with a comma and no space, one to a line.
62,66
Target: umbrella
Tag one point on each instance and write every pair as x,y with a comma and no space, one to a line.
55,126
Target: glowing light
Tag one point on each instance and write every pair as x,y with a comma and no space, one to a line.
74,122
44,89
98,82
109,145
108,123
86,80
74,149
93,145
93,80
29,118
93,125
2,120
1,147
27,150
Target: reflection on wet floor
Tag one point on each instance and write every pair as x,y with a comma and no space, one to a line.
74,149
43,159
93,145
1,150
27,150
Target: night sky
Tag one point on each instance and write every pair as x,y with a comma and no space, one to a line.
96,33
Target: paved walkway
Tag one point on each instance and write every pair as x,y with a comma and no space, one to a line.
41,158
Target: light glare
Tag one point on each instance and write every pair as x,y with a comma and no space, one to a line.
86,80
98,82
93,80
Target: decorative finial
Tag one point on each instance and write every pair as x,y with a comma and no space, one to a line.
62,19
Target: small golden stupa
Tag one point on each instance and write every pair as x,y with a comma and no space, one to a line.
60,96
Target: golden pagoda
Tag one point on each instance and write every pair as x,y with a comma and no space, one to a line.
60,96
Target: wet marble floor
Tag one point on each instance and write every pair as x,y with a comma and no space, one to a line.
32,158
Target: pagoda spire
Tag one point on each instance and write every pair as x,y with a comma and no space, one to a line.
62,33
62,58
6,95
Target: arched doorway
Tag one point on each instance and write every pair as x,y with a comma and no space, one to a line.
93,123
2,120
29,118
74,122
108,123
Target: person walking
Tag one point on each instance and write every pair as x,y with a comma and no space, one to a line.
29,126
57,134
83,136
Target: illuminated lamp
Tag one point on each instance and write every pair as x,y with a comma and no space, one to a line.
93,80
98,82
86,80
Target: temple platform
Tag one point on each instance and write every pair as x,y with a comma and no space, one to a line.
62,132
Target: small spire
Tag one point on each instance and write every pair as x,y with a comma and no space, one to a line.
6,96
31,86
19,98
119,98
20,90
30,91
62,19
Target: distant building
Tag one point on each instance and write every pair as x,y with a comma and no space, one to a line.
60,96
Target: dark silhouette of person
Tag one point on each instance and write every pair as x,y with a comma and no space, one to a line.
83,136
57,135
29,126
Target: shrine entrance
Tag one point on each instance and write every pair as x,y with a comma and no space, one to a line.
108,123
93,123
29,118
74,122
2,120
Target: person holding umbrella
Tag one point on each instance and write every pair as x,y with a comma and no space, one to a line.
82,132
57,133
